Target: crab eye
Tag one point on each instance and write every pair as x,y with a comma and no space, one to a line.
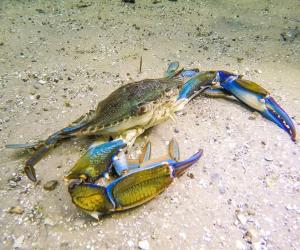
144,108
169,92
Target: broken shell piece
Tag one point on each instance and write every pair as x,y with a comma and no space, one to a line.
251,235
253,116
16,210
241,217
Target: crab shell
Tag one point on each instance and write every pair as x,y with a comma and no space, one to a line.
139,104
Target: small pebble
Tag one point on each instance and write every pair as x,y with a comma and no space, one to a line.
241,217
42,82
65,245
144,245
12,184
50,185
253,116
67,104
268,158
18,242
222,190
40,11
250,235
240,59
239,245
48,222
36,86
16,210
84,4
191,175
130,243
270,181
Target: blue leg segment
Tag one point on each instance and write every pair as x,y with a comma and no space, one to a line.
196,84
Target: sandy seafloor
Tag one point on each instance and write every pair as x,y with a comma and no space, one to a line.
59,58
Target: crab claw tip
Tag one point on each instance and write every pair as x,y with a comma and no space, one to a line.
30,172
180,167
276,114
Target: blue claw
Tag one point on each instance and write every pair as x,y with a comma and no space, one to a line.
259,99
276,114
130,190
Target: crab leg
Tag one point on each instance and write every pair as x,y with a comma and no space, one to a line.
216,92
195,85
146,153
122,166
182,74
43,147
171,70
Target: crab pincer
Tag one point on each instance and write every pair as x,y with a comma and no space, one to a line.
129,190
257,98
138,185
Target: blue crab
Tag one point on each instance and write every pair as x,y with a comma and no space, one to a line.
133,108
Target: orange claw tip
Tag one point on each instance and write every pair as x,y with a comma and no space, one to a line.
30,172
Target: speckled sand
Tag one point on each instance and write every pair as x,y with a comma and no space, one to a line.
58,59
